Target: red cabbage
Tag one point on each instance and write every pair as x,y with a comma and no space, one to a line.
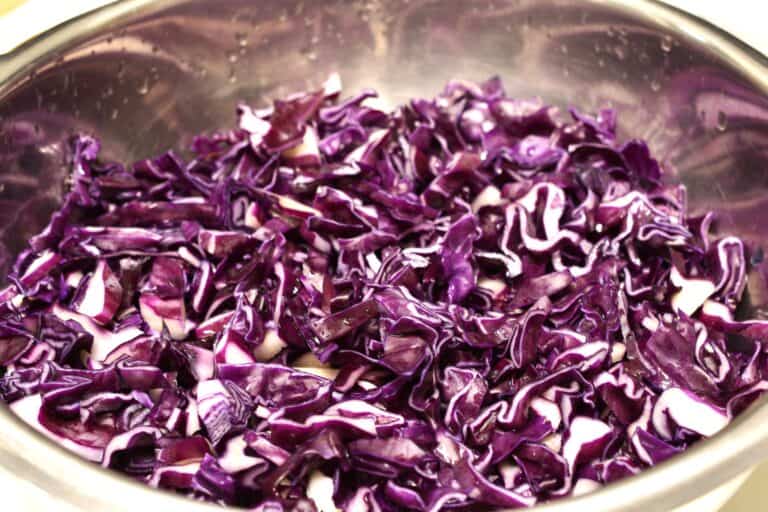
469,302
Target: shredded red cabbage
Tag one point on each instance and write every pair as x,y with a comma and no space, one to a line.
466,303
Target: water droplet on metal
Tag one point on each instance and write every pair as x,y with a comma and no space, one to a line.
655,85
232,76
232,57
666,44
115,113
601,63
309,53
144,87
722,121
564,49
242,39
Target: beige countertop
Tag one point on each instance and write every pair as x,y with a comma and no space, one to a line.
752,495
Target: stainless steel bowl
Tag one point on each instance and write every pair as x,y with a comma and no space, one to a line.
148,75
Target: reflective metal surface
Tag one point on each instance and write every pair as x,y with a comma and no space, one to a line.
146,76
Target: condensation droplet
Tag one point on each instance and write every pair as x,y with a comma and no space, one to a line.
601,63
564,49
144,87
666,44
232,57
232,76
722,121
242,39
655,85
309,53
115,113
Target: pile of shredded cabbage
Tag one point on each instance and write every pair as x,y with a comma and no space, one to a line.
469,302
